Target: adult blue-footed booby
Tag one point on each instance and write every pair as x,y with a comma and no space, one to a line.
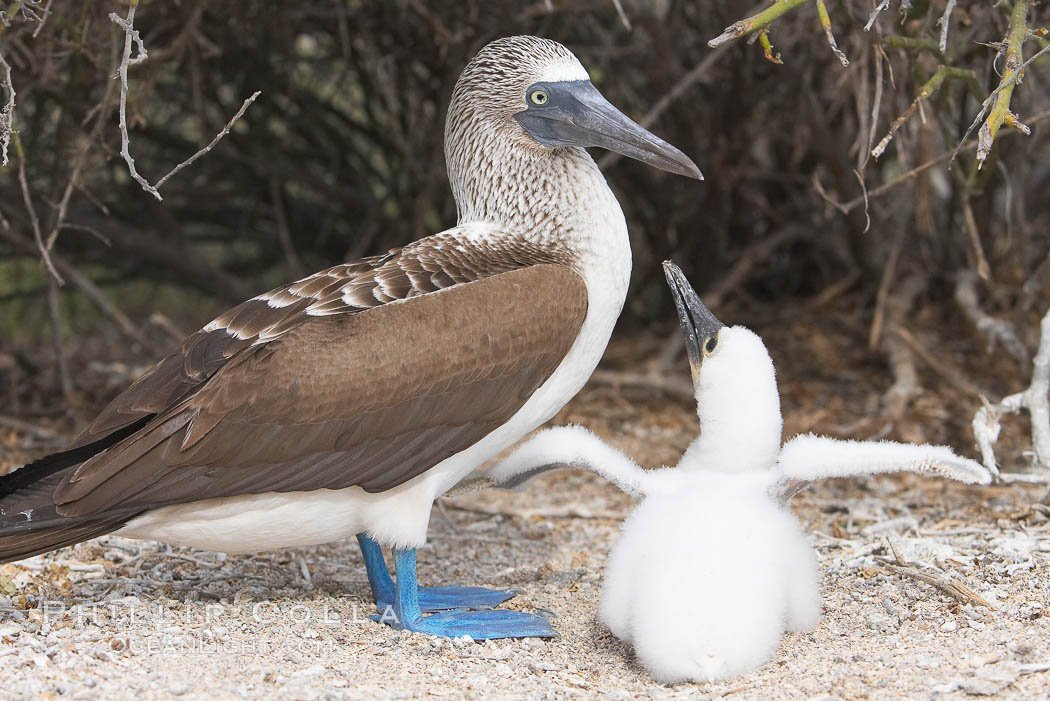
712,567
347,402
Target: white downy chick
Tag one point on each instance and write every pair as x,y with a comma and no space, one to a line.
712,567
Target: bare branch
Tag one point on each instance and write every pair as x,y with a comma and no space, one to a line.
132,35
31,210
825,22
756,22
984,271
47,13
875,14
7,116
952,587
945,21
928,89
623,15
1035,399
850,205
218,137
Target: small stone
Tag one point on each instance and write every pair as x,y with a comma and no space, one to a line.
949,626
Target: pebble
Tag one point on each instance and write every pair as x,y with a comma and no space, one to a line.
949,626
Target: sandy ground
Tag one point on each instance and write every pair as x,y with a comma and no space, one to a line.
114,617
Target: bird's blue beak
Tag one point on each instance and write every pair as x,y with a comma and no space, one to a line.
574,113
699,326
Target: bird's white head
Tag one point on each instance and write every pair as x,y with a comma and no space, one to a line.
523,110
735,387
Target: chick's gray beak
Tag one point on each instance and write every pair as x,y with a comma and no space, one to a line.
697,321
575,114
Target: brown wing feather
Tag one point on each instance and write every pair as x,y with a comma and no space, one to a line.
202,354
370,399
431,264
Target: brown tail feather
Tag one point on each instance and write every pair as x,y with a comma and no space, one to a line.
19,546
30,523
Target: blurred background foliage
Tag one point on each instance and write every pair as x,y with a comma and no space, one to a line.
341,156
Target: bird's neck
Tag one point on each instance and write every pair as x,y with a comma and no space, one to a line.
554,197
740,432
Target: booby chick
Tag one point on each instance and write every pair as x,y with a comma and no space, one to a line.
347,402
712,567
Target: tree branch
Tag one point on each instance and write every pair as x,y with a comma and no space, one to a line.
132,35
1035,399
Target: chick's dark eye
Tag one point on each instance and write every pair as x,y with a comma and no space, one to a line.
538,97
710,345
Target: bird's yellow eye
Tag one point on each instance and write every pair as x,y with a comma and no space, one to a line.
710,344
538,97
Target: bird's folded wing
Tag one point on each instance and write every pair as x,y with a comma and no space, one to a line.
559,448
806,458
365,375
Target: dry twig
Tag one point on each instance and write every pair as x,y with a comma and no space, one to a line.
756,22
761,21
927,91
132,35
875,14
7,116
960,591
34,221
850,205
825,23
945,21
984,271
623,15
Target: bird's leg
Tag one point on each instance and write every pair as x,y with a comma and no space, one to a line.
406,612
378,575
430,598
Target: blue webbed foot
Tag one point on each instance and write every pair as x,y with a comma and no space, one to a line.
430,598
448,598
479,625
402,606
